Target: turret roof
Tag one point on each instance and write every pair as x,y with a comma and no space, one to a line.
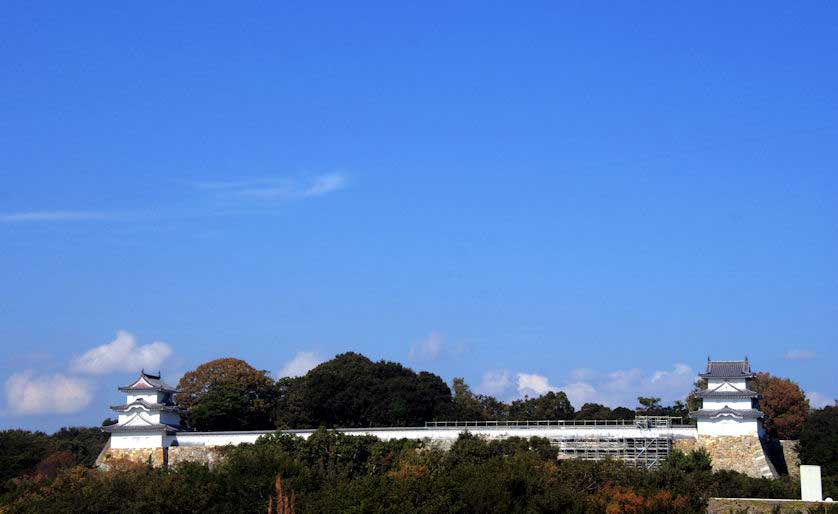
158,427
726,411
142,403
727,369
148,382
735,393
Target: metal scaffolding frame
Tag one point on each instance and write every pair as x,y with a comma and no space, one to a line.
644,451
641,452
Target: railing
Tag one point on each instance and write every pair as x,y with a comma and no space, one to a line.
638,422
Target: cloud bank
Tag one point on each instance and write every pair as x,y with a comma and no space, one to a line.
616,388
121,354
494,382
278,188
301,364
797,354
266,189
426,350
819,401
27,394
36,216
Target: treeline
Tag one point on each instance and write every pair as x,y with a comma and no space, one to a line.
35,453
335,473
331,472
353,391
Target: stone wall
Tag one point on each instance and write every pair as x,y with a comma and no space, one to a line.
157,457
208,455
744,454
759,506
110,456
791,458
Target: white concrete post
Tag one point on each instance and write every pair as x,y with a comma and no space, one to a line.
810,483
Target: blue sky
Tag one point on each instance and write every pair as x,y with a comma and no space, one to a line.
580,196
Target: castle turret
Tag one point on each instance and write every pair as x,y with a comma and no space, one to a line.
728,406
149,417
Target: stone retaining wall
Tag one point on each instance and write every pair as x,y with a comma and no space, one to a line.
157,457
154,456
736,453
208,455
791,458
760,506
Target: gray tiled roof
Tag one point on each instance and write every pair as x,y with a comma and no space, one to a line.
154,384
142,403
736,393
739,413
169,429
727,369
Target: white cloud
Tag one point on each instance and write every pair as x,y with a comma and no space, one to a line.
278,188
818,400
622,387
36,216
30,394
580,393
428,349
797,354
299,365
121,354
533,385
615,388
325,184
494,382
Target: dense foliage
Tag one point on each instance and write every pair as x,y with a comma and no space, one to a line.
332,472
227,394
336,473
23,452
783,403
353,391
819,445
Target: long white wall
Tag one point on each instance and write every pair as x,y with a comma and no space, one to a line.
445,434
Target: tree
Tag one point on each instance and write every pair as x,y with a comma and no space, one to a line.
783,403
227,393
593,411
819,445
550,406
465,405
648,404
693,401
353,391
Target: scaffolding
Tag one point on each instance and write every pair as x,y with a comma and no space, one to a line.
642,451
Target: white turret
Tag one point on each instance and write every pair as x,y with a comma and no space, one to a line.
728,406
149,418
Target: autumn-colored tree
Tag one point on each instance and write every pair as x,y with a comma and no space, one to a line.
49,467
227,394
285,504
615,499
783,403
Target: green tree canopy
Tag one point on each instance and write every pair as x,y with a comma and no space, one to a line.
549,406
227,394
819,445
353,391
